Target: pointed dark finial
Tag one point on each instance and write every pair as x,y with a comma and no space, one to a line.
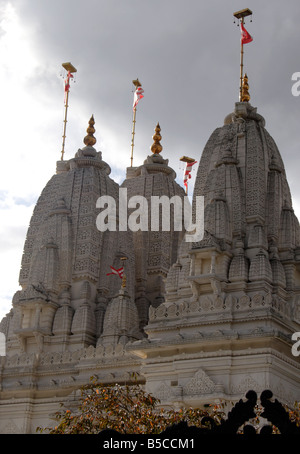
90,140
156,147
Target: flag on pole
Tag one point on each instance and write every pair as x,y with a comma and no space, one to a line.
118,272
187,173
67,83
138,94
245,36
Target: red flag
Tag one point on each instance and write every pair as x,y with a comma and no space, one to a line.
245,36
187,172
118,272
67,83
138,94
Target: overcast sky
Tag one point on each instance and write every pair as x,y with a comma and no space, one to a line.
186,55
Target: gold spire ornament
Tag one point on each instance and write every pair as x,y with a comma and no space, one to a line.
123,281
245,90
156,147
90,140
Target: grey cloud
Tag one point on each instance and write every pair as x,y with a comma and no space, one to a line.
186,55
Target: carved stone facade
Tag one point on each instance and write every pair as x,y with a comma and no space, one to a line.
155,251
231,301
195,322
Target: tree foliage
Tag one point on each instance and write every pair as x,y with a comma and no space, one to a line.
129,409
125,408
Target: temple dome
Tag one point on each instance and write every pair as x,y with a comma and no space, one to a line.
66,258
232,299
155,251
242,174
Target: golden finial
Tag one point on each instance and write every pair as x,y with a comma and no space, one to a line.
90,140
245,88
156,147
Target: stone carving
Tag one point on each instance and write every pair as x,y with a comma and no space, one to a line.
163,392
10,428
155,251
217,305
260,268
199,384
246,383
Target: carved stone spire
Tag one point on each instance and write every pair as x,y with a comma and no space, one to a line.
90,140
156,147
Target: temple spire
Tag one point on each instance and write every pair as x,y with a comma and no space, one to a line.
89,139
156,147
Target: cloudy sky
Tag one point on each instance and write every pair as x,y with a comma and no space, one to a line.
186,55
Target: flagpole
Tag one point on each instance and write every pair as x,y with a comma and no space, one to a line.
241,65
71,69
65,126
240,15
187,161
137,84
133,133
